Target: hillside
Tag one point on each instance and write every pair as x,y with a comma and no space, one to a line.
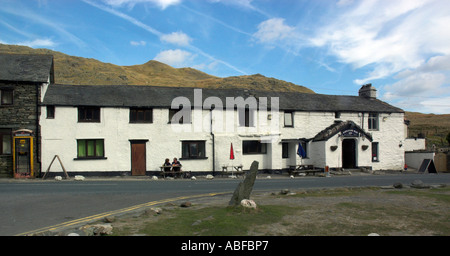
434,127
78,70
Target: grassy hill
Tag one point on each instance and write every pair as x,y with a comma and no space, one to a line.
434,127
78,70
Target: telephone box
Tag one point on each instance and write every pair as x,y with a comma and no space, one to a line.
23,153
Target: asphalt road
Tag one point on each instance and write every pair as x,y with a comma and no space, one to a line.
31,205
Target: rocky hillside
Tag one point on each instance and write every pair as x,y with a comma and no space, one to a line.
77,70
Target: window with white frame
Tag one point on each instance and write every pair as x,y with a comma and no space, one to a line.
373,122
246,117
288,119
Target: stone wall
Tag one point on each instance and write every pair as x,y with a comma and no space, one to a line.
23,114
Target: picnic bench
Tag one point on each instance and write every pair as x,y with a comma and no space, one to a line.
171,171
237,170
300,168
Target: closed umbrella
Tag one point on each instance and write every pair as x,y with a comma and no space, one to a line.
232,158
231,152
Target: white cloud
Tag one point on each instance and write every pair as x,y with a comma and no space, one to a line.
38,43
390,35
243,4
178,38
163,4
138,43
175,58
424,84
273,30
436,106
406,40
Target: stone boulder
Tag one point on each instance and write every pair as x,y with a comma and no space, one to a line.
247,203
97,229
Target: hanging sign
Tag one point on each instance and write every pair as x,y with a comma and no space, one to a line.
350,133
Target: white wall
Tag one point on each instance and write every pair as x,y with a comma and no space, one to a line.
415,159
412,144
59,137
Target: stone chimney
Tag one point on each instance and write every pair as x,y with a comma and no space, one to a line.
367,91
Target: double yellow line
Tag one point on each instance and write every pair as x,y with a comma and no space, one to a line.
112,213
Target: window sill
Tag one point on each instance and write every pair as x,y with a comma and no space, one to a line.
91,158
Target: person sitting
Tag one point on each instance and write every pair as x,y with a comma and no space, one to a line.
176,165
168,164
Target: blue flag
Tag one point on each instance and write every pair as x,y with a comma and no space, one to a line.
300,151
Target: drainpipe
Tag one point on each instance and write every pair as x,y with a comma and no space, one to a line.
38,133
213,144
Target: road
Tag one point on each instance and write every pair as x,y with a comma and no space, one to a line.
31,205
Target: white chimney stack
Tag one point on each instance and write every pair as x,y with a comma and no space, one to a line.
367,91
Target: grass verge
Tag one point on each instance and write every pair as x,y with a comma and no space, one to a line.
334,212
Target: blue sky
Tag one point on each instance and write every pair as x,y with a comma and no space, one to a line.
333,47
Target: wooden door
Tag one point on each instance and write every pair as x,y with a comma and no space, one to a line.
138,158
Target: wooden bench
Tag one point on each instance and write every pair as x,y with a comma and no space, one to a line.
237,170
306,169
175,174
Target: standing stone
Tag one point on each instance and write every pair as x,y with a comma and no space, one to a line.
244,189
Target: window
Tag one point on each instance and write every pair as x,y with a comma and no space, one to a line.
90,148
246,117
193,149
6,97
253,147
5,141
285,150
180,116
50,112
288,119
141,115
337,114
89,114
373,121
375,152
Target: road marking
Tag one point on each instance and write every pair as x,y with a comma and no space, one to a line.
115,212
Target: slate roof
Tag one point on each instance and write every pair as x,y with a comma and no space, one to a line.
26,67
339,127
161,97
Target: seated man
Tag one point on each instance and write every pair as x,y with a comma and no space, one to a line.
168,164
176,165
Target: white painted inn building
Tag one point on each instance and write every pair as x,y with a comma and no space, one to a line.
131,130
